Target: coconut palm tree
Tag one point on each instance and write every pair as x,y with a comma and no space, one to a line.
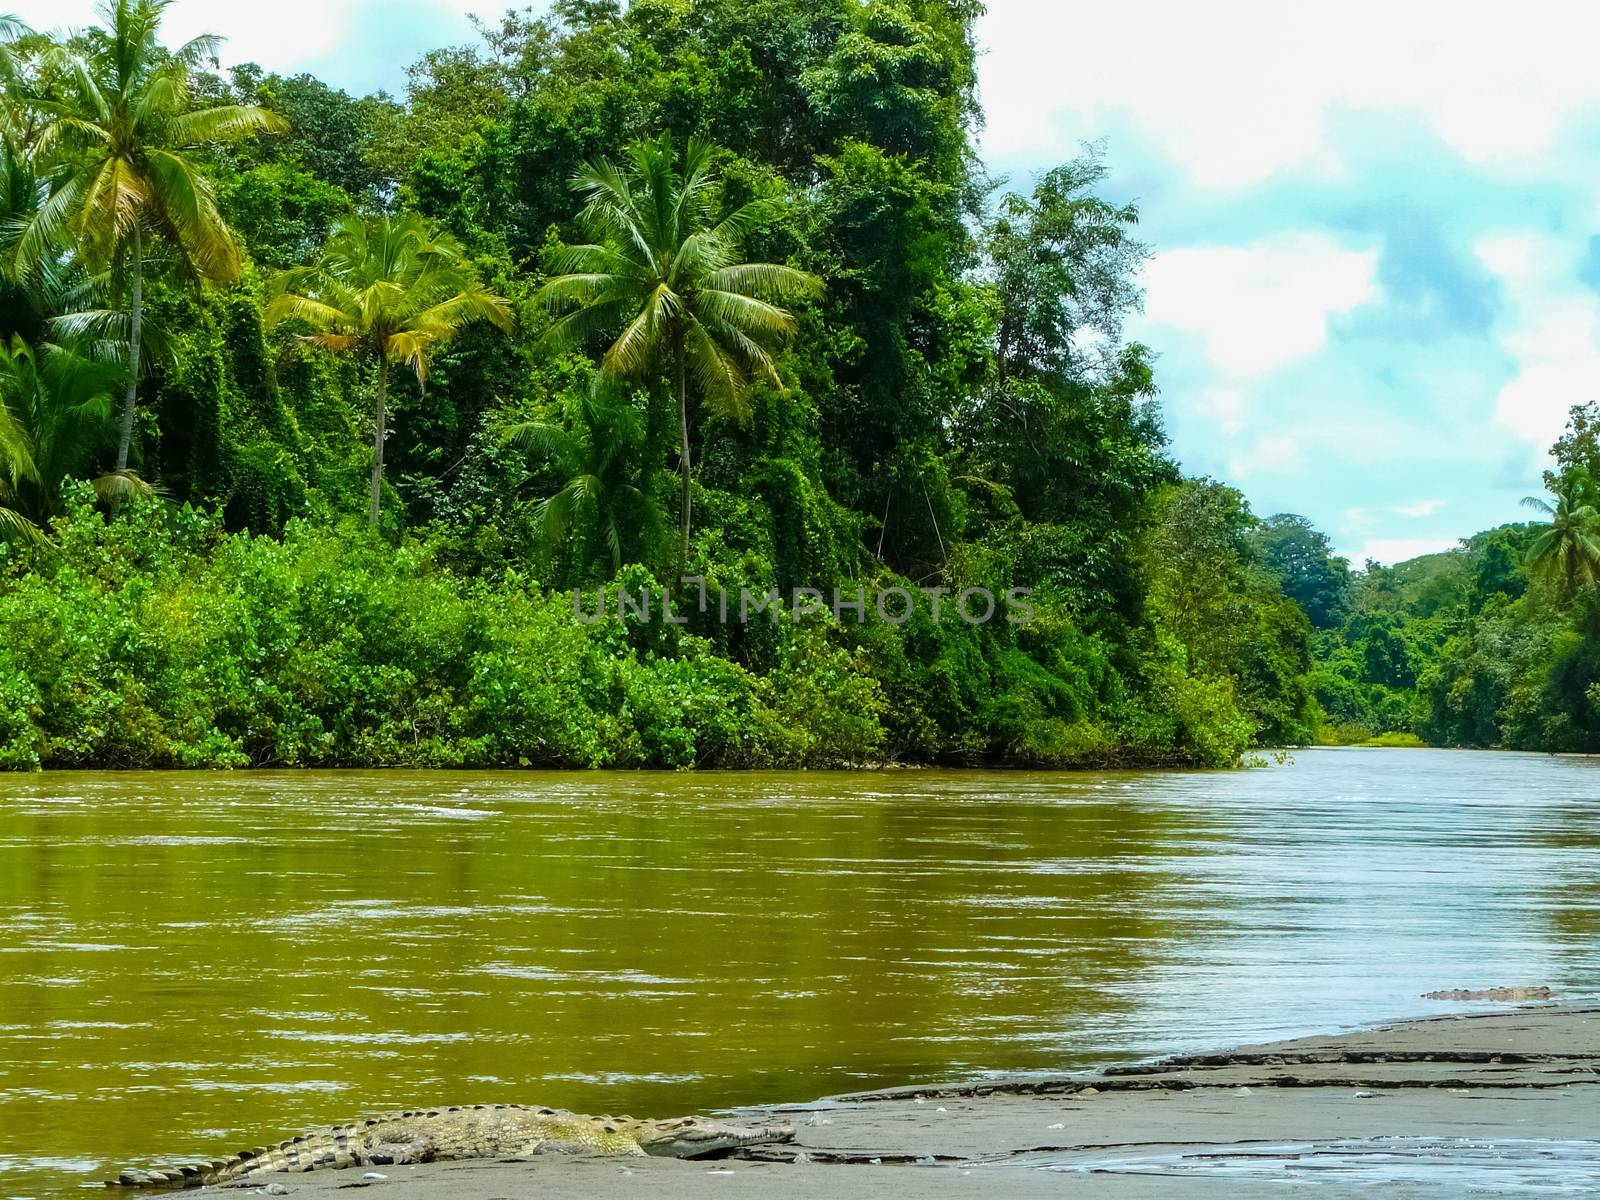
390,289
1567,551
117,141
55,417
592,452
666,272
53,297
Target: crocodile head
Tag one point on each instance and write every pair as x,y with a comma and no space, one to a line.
699,1137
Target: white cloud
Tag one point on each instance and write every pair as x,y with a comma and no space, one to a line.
1270,454
1226,406
1422,508
1237,90
284,35
1552,331
1261,306
283,32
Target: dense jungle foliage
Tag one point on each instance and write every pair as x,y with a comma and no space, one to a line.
315,409
1493,644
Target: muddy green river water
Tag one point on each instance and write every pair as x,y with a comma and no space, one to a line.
194,963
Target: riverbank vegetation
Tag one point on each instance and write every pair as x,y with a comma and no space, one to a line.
315,408
1495,643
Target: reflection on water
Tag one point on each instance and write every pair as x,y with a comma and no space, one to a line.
192,962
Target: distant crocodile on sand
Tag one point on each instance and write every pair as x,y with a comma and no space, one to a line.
491,1131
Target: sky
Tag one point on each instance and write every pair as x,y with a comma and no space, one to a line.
1375,282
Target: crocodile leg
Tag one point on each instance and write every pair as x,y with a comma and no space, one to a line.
397,1153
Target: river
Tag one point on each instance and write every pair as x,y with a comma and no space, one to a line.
193,963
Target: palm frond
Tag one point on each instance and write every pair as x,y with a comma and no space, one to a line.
197,52
292,306
750,316
768,281
91,98
69,133
226,123
111,204
700,255
640,343
185,202
40,236
543,437
119,487
339,342
473,302
17,463
555,513
739,224
411,346
165,92
16,527
583,326
613,538
721,381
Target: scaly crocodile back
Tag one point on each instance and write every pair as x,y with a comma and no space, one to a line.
420,1135
474,1131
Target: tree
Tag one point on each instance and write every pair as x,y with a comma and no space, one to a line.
1231,617
668,272
592,453
1499,557
1578,448
1567,550
329,131
119,139
390,289
1302,558
1062,263
55,414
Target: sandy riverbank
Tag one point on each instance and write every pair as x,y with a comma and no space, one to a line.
1482,1103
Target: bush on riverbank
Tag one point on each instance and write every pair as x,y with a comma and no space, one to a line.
158,640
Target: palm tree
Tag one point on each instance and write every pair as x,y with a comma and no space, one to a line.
1568,549
117,141
592,453
390,289
668,274
53,296
55,415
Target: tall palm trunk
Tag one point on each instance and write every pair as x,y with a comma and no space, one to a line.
682,382
380,428
135,332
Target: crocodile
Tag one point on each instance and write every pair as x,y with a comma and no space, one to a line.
1511,994
493,1131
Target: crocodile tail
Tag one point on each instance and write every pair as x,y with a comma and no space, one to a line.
184,1175
331,1148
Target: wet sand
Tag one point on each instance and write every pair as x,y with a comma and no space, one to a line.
1492,1103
